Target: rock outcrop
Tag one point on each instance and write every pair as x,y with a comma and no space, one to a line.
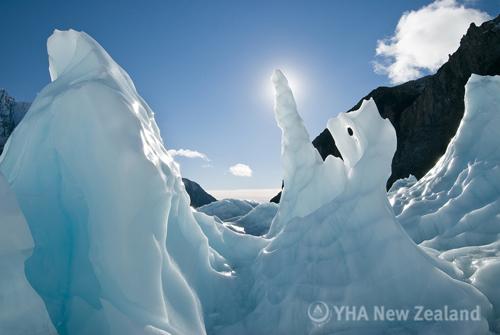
11,113
197,194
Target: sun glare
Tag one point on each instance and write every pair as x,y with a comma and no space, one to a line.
293,81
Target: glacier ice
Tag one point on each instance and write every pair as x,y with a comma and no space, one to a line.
308,181
102,196
347,249
116,248
258,221
22,310
486,280
454,207
242,215
402,183
456,203
228,209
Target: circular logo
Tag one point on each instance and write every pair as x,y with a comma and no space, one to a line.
318,312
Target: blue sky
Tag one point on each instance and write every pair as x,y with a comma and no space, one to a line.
204,66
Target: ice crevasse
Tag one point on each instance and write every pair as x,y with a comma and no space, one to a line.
118,250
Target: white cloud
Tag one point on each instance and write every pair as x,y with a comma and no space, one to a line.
188,154
424,38
240,170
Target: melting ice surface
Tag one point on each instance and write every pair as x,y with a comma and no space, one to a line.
117,249
454,209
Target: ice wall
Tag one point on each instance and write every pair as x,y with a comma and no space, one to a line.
456,203
454,208
102,196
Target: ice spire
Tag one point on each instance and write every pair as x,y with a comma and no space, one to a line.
304,170
101,257
295,135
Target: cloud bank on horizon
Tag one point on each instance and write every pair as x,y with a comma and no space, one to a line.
424,38
240,170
